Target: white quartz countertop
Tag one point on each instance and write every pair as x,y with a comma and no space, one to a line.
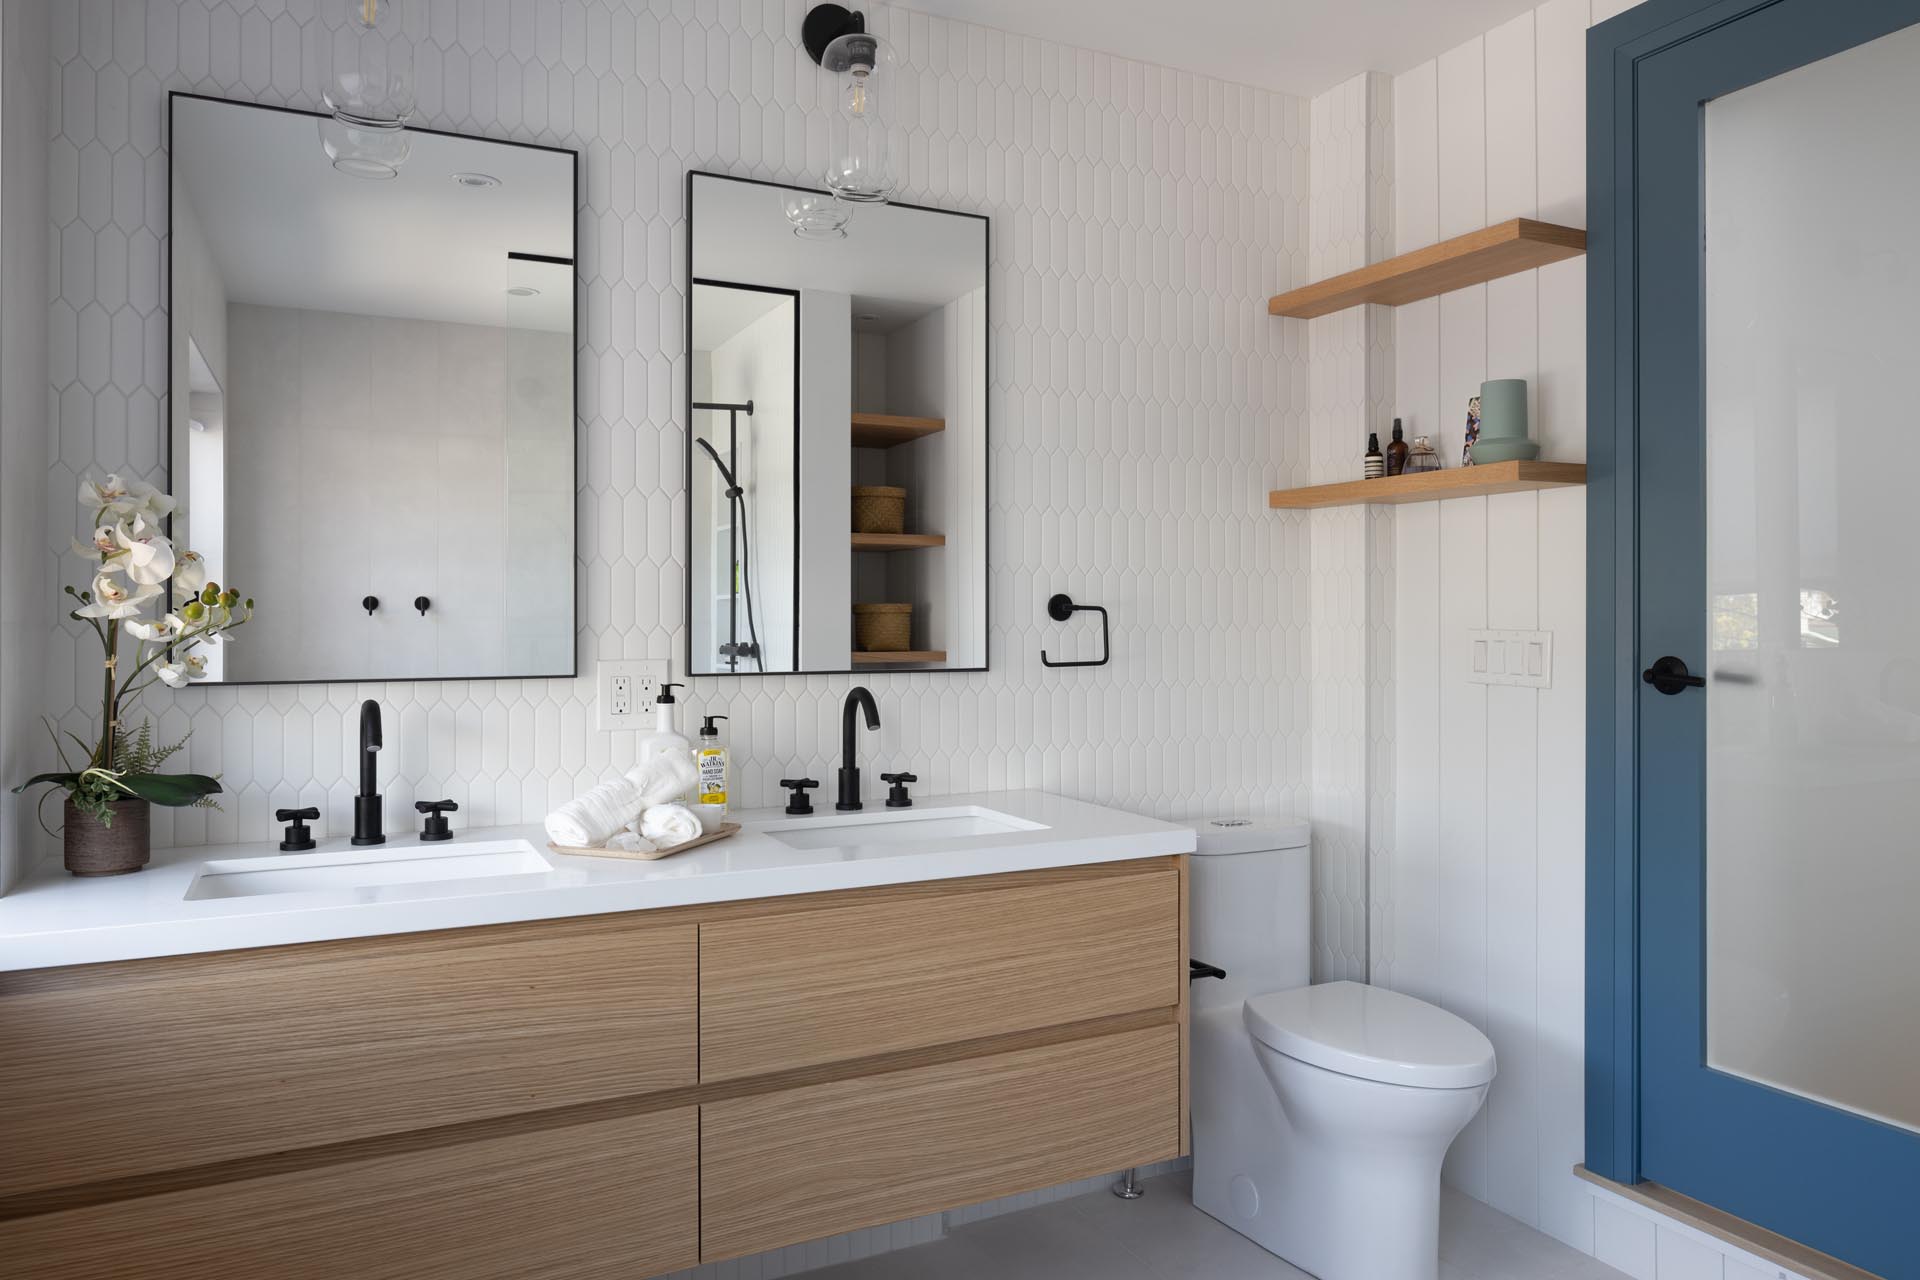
56,919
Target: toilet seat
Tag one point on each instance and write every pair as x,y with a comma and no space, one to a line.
1373,1034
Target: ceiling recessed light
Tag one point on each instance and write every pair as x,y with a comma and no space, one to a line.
476,179
524,291
869,317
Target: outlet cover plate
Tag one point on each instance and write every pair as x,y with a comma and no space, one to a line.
624,691
1523,658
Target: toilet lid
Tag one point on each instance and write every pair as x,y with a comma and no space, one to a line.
1372,1033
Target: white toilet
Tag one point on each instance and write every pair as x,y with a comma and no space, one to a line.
1320,1114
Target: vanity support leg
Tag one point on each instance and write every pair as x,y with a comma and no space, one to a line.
1129,1188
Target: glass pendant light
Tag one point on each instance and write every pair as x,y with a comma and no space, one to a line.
815,215
363,152
369,89
370,84
860,171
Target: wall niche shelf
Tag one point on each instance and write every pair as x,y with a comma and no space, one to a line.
885,430
897,541
904,655
1427,486
1519,244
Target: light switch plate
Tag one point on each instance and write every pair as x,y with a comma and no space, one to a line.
624,692
1523,658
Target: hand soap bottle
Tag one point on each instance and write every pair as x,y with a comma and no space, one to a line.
665,736
710,763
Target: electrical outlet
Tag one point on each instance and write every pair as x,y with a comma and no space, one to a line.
624,693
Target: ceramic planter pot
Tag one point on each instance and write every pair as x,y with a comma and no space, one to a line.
114,849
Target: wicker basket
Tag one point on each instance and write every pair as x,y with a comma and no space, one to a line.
883,628
879,508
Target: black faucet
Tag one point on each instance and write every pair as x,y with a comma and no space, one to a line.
849,775
367,827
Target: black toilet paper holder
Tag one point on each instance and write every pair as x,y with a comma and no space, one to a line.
1060,608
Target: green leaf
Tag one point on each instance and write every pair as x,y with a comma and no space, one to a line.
67,780
176,790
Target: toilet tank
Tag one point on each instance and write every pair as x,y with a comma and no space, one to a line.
1250,906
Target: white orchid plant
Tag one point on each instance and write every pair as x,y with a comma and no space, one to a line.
132,561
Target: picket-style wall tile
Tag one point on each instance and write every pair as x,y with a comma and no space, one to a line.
1142,403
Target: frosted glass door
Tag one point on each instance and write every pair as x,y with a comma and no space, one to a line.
1812,476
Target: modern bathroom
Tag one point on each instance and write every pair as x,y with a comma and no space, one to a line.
732,639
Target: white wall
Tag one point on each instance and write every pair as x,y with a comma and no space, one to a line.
1484,902
26,593
395,458
1128,286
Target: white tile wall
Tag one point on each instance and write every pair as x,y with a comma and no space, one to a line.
24,242
1142,400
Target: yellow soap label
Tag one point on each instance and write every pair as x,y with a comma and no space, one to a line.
713,776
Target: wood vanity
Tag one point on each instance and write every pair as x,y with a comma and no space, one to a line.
611,1095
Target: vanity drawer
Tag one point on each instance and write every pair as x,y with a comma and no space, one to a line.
151,1065
923,968
823,1159
614,1199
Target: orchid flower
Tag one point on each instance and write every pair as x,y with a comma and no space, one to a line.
189,574
113,599
104,544
172,674
163,631
150,556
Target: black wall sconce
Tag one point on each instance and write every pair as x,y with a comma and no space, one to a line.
1062,607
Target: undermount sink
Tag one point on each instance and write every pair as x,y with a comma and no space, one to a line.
897,827
479,867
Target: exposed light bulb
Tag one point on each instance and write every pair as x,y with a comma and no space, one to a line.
857,91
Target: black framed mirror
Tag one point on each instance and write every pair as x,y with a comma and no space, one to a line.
372,396
837,401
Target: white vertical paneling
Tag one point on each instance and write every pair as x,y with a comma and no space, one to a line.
1462,143
1415,880
1623,1239
1560,111
1560,889
1488,877
1560,391
1681,1255
1416,158
1463,800
1510,108
1513,525
1604,9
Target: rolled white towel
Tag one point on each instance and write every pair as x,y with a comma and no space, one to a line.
662,780
586,823
670,825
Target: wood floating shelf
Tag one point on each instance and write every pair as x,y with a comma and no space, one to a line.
904,655
1427,486
885,430
1519,244
897,541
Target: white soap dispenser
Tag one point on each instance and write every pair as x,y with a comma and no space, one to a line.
665,735
710,763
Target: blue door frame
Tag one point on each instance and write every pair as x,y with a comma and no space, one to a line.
1648,71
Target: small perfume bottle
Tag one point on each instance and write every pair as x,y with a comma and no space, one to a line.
1375,463
1396,451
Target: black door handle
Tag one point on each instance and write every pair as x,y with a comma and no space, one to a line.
1669,676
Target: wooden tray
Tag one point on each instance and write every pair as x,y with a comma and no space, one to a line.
720,832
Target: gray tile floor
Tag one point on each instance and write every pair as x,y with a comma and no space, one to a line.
1163,1237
